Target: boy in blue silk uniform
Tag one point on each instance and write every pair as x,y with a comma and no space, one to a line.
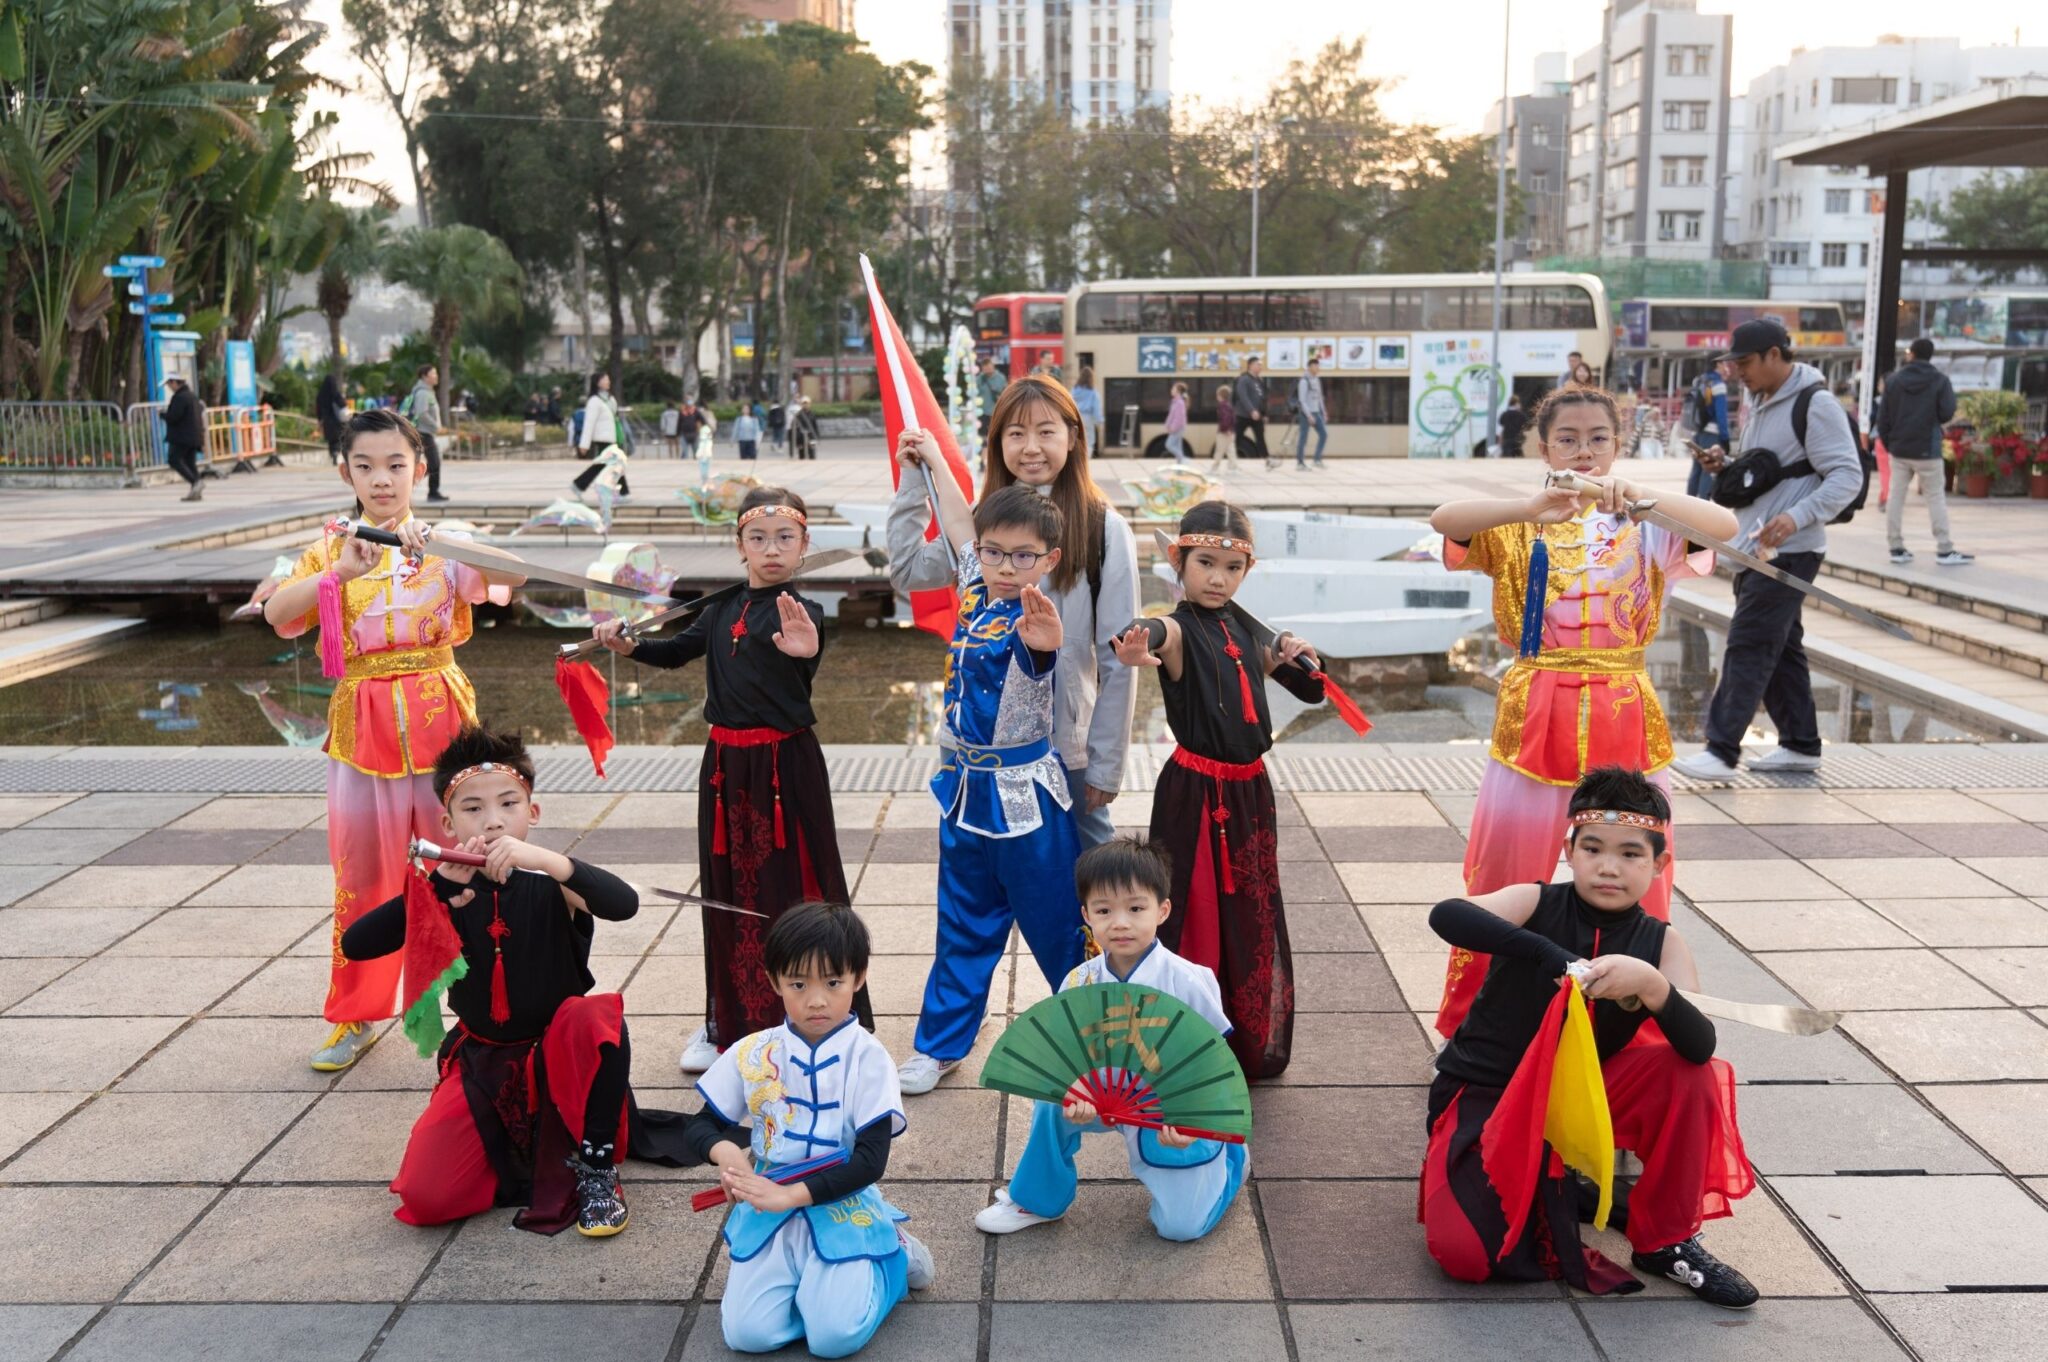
1007,845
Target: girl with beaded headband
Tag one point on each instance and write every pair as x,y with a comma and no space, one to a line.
766,839
1213,808
390,621
1579,589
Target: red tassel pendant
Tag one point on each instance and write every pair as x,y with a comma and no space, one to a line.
501,1000
1248,703
1220,816
775,765
718,812
739,629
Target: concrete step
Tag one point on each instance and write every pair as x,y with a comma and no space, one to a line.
19,614
2007,636
51,645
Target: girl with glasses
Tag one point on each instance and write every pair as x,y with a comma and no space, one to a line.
1578,590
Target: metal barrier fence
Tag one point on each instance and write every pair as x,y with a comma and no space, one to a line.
47,437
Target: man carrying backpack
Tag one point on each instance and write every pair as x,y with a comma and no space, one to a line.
1918,402
1798,469
1708,410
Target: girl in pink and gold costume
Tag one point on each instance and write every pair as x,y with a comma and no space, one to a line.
1578,695
393,619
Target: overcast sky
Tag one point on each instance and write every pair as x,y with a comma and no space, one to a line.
1442,57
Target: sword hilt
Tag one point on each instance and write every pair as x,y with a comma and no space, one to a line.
349,528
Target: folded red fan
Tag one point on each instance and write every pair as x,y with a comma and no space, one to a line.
795,1172
1122,1098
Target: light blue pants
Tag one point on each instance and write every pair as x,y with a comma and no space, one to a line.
985,884
787,1292
1094,827
1191,1188
1177,446
1322,429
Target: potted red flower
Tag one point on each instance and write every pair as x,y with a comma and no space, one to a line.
1976,464
2037,470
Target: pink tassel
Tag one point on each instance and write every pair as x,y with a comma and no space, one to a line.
333,660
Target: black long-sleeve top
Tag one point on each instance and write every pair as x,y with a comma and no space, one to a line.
1205,707
547,946
864,1167
1509,1010
748,681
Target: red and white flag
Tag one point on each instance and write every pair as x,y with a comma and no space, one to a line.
908,404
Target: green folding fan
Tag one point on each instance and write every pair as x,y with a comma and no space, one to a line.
1139,1056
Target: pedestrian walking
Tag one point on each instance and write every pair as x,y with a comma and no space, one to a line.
1513,421
184,435
990,383
1308,412
1573,362
778,427
1918,401
600,430
1177,424
746,433
1088,402
554,407
1799,464
803,431
669,429
1248,395
330,407
423,408
1226,425
1712,434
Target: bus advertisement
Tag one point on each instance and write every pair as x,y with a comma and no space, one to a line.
1406,361
1019,330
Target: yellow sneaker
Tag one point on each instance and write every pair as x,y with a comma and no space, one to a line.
344,1047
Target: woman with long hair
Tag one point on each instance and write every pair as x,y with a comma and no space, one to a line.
1040,439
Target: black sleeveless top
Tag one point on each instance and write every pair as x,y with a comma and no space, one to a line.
1205,708
1509,1009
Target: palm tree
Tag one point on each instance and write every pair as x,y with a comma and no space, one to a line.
356,255
462,272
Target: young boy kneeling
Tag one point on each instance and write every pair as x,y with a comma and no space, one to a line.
819,1259
1670,1101
532,1107
1123,890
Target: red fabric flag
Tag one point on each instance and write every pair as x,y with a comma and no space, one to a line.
587,696
1511,1143
908,404
1347,708
433,960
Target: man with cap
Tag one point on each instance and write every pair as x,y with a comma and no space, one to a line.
184,434
1765,660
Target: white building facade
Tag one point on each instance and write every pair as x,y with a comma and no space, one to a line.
1099,59
1648,123
1817,225
1538,131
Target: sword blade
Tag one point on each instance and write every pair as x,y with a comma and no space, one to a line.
1791,1021
680,897
1260,630
815,562
1772,571
461,551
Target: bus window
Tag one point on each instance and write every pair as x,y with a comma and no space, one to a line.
1187,312
1404,310
1111,312
1366,401
2026,321
1346,309
1043,319
1443,309
1155,312
1234,313
992,323
1299,310
1820,319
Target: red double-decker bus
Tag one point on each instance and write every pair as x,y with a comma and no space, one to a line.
1020,329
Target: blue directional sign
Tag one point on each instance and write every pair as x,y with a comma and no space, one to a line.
145,262
137,308
166,319
159,300
119,271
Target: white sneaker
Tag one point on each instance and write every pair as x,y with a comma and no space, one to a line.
1902,556
1784,759
1004,1216
921,1073
699,1053
918,1272
1704,766
1954,558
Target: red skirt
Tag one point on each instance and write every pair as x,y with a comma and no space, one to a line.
766,842
1218,822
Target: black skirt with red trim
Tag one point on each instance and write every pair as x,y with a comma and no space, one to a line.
1218,822
1465,1221
766,841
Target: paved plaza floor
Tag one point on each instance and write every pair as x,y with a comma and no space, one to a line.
177,1184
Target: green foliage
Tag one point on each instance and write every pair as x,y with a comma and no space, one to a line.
2000,210
1994,414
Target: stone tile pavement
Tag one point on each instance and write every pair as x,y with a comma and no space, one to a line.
175,1183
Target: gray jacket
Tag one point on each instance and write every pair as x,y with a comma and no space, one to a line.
423,409
1811,502
1094,695
1248,397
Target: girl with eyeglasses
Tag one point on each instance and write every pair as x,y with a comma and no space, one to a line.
1578,590
766,840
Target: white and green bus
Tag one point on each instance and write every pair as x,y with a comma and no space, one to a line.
1406,358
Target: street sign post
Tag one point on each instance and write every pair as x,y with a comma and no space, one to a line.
143,262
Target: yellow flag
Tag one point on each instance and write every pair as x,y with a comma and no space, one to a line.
1575,1121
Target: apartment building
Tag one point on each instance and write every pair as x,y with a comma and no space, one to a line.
1100,59
1537,134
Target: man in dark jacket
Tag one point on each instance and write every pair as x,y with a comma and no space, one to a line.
1248,399
332,410
184,434
1918,402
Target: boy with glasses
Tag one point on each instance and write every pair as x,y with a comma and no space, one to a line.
1007,846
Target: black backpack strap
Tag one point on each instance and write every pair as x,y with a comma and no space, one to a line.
1098,549
1800,403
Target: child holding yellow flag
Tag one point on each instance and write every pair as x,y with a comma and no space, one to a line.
1554,1067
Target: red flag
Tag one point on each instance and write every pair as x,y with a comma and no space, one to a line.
908,404
433,960
585,693
1511,1142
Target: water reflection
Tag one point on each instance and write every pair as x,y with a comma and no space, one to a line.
240,685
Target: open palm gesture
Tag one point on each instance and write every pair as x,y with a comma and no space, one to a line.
1134,648
1040,625
798,636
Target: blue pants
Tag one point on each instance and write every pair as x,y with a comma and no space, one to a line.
985,884
1303,422
1094,827
1191,1188
787,1292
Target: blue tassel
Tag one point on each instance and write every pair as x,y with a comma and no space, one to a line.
1533,603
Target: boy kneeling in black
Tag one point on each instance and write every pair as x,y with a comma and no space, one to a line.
532,1101
1670,1101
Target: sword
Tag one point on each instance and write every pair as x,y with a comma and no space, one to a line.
813,563
1646,511
456,551
1164,542
680,897
1792,1021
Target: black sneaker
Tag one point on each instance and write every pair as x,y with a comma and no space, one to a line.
600,1201
1688,1263
438,496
